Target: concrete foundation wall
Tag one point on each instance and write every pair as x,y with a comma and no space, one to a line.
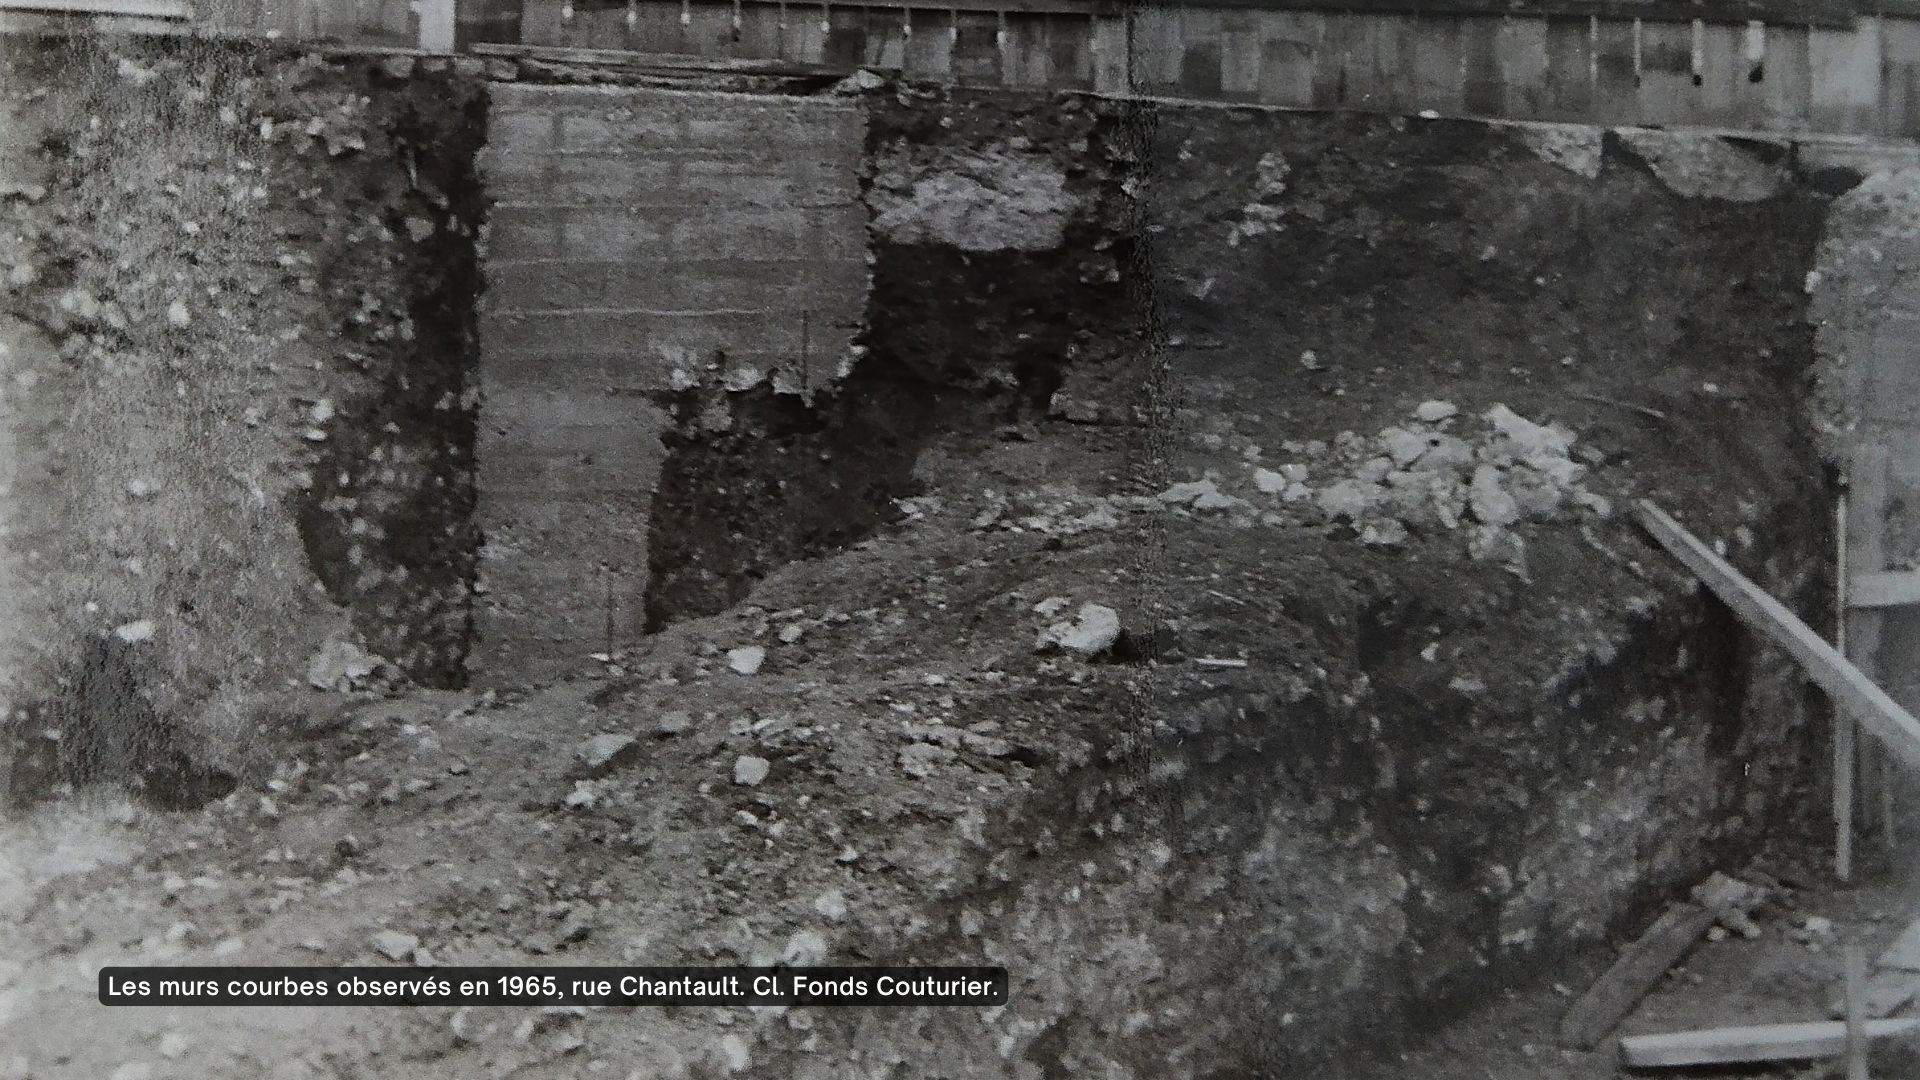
641,242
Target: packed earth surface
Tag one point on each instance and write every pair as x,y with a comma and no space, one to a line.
1214,594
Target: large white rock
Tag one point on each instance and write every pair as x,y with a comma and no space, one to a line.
1492,505
1093,633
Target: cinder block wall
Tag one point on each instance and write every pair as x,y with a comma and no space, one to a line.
637,237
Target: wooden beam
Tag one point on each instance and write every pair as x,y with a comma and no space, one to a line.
1113,8
139,9
655,62
1856,1020
1756,1043
1892,588
1723,12
437,20
1614,994
1846,756
1852,691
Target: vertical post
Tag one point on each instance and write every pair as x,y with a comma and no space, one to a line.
1856,1020
436,26
1889,830
1843,722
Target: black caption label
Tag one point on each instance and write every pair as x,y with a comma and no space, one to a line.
552,986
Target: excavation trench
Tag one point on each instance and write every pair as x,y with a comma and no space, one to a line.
1450,763
1357,760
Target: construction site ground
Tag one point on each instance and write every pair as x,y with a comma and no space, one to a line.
849,763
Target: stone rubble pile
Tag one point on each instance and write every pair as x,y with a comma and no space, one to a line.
1435,474
1438,472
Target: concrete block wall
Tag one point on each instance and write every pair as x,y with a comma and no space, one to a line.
638,239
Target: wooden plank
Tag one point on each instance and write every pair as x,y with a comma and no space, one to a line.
1851,690
1735,12
1856,1040
804,41
1756,1043
759,33
923,7
1070,51
1615,993
929,53
846,36
1156,50
1240,56
1289,45
1722,73
886,38
1523,67
1108,45
1787,78
617,58
1616,82
1027,61
1440,64
1569,90
1844,68
709,30
140,9
1199,47
656,29
1394,60
437,19
1846,752
1900,76
1485,86
1358,84
1666,94
1330,61
976,49
1384,57
1890,588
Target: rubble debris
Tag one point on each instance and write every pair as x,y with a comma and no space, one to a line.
1091,634
395,945
922,758
576,926
605,753
831,905
746,660
1678,929
344,667
1814,931
1732,902
749,771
